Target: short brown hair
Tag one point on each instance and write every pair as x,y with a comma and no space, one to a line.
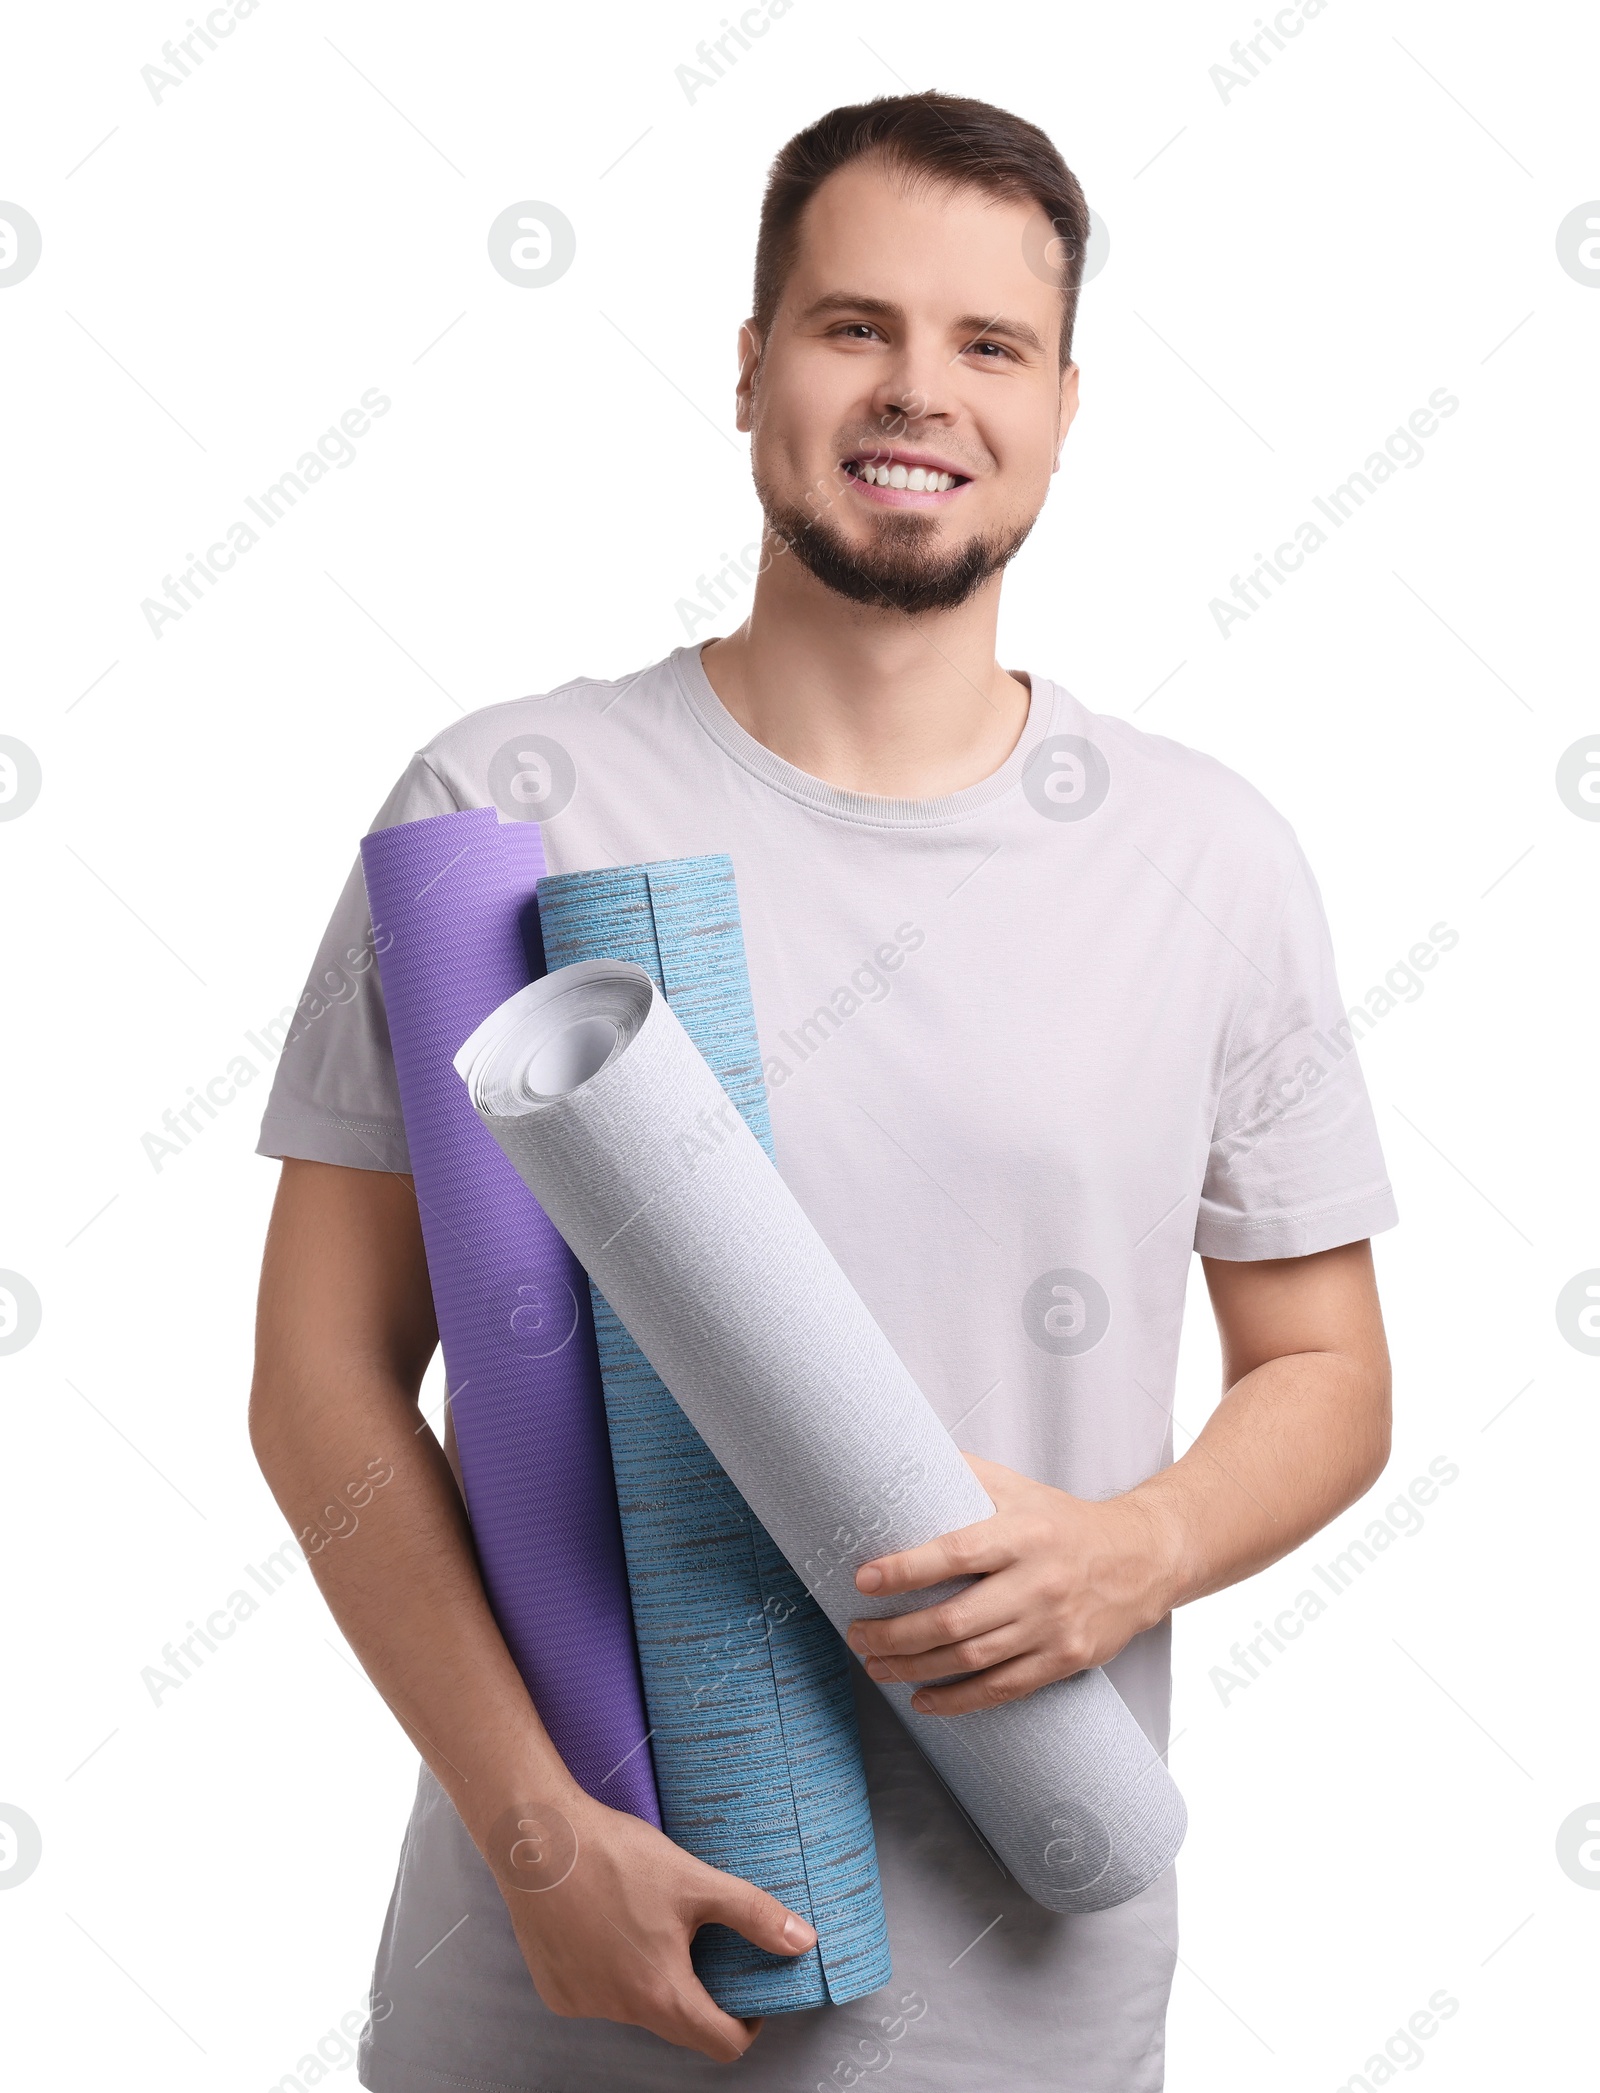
938,137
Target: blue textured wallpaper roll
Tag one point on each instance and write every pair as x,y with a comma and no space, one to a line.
753,1729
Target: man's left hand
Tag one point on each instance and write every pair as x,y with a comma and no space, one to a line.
1063,1584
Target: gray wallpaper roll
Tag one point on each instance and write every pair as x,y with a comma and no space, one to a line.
615,1123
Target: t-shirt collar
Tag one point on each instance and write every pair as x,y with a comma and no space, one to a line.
863,807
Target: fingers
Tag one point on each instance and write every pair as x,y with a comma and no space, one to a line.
1012,1681
750,1911
686,2014
972,1653
971,1551
691,2016
675,2005
982,1610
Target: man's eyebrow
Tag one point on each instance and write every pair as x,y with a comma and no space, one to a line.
970,326
853,301
974,325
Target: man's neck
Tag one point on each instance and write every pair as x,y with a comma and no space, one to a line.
868,700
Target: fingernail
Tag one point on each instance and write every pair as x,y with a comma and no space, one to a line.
868,1577
919,1701
797,1933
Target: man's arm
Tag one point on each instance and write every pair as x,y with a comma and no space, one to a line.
345,1330
1065,1583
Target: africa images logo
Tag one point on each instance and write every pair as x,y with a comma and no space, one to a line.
1066,1312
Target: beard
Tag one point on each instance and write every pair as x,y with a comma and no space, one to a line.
901,569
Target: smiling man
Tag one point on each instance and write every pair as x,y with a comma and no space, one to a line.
1047,1006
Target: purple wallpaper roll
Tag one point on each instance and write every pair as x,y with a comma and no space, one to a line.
456,931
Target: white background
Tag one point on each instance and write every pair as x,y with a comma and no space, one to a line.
1292,271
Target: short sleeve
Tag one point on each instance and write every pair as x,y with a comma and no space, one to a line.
334,1096
1295,1163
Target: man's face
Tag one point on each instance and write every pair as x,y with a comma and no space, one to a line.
910,407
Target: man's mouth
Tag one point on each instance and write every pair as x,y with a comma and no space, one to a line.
903,473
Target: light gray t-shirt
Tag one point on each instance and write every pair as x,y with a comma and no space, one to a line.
1028,1048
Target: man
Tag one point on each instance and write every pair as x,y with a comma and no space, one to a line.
1046,1005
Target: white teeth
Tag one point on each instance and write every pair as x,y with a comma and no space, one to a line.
917,480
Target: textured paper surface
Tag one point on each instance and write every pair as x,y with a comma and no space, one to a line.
753,1724
691,1235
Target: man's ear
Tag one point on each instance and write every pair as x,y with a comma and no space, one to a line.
749,361
1067,409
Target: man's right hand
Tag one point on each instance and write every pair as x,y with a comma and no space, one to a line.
604,1908
604,1905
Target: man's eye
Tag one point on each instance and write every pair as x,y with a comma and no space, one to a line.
858,329
996,349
